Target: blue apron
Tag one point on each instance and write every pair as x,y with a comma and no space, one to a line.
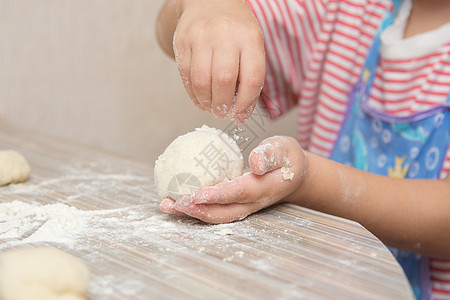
414,146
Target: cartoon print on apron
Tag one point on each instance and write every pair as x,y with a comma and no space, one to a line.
413,146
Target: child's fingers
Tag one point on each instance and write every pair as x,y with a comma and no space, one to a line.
201,76
247,188
225,68
271,154
167,205
251,80
183,61
217,213
236,191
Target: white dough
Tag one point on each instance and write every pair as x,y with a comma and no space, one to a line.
200,158
13,167
42,274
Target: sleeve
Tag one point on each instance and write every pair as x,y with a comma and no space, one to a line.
291,30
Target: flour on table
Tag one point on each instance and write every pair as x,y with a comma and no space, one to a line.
42,274
31,222
58,223
13,167
200,158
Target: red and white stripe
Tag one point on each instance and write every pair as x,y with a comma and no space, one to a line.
315,52
440,278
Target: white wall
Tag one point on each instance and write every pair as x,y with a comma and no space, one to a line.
90,71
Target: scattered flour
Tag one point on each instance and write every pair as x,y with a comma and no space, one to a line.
57,223
24,223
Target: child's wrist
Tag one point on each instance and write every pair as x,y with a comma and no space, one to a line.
304,182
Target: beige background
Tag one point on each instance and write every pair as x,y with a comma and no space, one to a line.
90,71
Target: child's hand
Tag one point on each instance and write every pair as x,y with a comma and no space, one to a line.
272,163
219,50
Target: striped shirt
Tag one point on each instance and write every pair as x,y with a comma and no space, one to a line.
315,52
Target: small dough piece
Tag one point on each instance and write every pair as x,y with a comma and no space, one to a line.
225,231
13,167
200,158
42,274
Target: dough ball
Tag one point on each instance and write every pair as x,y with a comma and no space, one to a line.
42,274
13,167
200,158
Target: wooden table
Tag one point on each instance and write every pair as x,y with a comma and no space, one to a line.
104,210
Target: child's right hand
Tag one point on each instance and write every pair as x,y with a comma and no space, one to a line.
219,50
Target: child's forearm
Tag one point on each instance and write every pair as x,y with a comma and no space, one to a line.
404,213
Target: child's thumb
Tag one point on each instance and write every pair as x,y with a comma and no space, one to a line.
270,155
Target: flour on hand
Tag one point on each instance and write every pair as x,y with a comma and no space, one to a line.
42,274
200,158
13,167
287,174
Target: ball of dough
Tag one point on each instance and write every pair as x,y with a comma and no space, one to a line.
13,167
200,158
42,274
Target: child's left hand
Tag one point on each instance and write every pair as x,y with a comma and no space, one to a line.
271,163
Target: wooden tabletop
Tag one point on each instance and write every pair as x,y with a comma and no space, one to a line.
104,210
